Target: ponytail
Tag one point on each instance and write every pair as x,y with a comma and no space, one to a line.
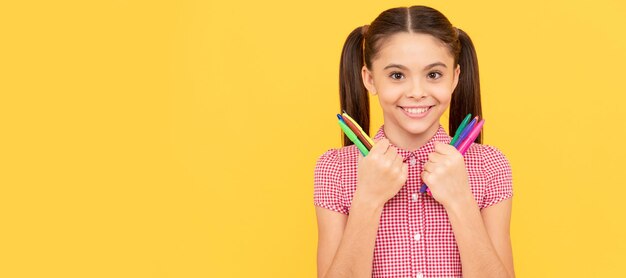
352,93
466,95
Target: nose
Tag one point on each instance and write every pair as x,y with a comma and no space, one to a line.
415,90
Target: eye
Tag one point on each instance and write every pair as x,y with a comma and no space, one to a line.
433,74
396,75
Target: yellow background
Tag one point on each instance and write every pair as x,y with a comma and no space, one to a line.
179,138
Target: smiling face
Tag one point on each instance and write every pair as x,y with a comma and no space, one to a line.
414,77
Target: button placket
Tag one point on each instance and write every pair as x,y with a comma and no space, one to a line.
413,209
421,199
412,158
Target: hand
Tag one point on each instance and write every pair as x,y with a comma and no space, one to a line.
446,176
381,174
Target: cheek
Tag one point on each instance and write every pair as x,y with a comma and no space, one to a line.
443,94
390,93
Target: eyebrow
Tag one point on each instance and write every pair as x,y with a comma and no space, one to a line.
425,68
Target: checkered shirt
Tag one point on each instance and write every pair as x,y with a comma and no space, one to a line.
415,237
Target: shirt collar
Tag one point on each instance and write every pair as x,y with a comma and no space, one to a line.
422,153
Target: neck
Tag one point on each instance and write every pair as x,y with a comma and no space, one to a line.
409,141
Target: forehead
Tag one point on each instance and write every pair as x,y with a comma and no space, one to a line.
414,50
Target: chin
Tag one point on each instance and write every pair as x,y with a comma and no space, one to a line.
417,127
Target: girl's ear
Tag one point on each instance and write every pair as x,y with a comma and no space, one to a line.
368,80
457,72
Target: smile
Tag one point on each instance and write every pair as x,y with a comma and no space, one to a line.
416,112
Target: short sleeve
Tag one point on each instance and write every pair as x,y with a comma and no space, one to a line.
499,177
327,192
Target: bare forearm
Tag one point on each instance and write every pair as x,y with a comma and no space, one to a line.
356,250
478,256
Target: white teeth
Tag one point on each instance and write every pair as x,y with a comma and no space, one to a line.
416,110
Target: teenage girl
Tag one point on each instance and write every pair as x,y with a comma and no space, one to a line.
372,220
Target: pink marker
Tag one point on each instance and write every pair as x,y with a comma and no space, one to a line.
471,137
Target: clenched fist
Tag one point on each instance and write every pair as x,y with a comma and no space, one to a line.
381,174
445,175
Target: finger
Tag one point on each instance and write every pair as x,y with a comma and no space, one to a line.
400,157
402,166
444,148
398,160
435,157
425,177
392,153
405,171
390,147
428,167
380,147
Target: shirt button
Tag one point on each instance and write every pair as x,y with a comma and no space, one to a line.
413,161
417,236
419,275
415,196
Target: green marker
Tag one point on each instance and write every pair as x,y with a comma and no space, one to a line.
353,137
460,129
345,115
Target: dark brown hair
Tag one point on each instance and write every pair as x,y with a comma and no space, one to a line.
363,43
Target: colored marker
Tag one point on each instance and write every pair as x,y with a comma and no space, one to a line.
367,138
357,131
459,129
467,137
352,136
465,132
471,137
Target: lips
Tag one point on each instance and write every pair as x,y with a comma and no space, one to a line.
416,110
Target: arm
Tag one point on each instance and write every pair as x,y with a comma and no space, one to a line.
346,243
483,238
347,252
497,219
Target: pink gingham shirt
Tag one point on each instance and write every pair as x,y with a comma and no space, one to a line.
415,238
